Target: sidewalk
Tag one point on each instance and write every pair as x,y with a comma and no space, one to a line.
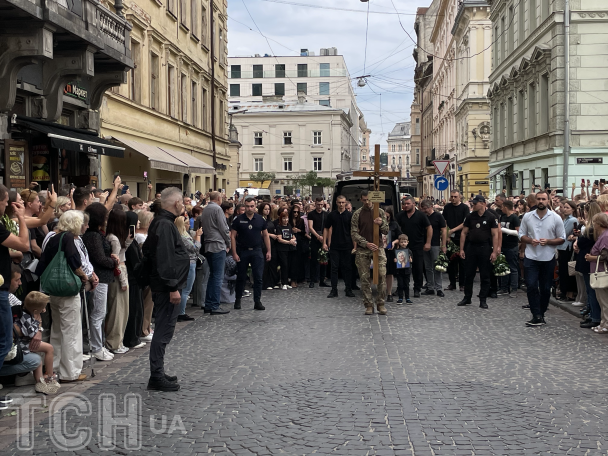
567,307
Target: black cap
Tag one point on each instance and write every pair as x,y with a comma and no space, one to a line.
479,199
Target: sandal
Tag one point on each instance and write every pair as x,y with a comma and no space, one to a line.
602,331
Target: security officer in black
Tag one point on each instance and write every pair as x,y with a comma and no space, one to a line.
247,233
480,232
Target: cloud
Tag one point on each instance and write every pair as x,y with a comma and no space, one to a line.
387,98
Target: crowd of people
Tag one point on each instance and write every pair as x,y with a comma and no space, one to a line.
116,265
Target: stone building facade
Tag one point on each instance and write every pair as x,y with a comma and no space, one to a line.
57,59
163,115
527,93
472,33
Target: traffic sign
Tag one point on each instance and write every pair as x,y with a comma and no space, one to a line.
441,183
441,165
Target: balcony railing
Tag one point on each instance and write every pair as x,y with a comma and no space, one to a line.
335,72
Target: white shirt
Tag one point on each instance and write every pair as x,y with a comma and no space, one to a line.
551,226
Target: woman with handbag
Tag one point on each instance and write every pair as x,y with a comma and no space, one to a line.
583,246
66,329
144,218
193,247
567,283
104,264
599,274
133,257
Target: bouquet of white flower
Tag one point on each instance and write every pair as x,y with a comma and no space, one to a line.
441,263
501,267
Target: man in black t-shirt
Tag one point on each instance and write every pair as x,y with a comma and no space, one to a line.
454,214
509,225
22,244
316,223
481,231
438,241
247,233
337,239
415,224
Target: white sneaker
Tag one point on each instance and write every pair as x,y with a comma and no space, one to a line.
147,338
246,293
284,287
108,352
578,304
121,350
101,355
289,286
276,287
86,357
140,345
269,288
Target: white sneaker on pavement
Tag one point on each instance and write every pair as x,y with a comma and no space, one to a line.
101,355
108,352
121,350
140,345
578,304
284,287
147,338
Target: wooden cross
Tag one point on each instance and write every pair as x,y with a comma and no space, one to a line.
376,174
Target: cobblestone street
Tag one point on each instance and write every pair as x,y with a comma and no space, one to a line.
312,375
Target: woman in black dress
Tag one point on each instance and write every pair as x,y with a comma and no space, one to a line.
302,246
286,244
271,273
392,238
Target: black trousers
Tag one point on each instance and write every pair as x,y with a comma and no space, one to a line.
456,268
403,283
567,283
136,316
477,256
418,267
340,261
315,267
164,327
284,264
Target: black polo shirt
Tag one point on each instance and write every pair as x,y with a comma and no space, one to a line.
415,228
480,227
249,232
454,216
318,220
340,224
437,222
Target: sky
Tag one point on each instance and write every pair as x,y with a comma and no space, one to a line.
387,58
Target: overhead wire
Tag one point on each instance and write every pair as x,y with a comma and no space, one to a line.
335,8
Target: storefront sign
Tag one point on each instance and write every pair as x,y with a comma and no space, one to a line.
481,182
16,161
74,91
41,167
584,161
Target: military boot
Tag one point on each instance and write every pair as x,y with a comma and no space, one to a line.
369,310
381,309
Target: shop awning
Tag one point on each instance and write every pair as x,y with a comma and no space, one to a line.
195,165
254,184
159,159
498,171
74,139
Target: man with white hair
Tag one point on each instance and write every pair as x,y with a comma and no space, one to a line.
167,265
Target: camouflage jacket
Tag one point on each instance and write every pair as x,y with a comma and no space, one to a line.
354,227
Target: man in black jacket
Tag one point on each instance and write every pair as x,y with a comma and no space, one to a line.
168,265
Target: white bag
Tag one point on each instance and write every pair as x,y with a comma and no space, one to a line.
599,279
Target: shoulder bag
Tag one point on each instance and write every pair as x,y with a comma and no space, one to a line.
572,265
599,279
58,279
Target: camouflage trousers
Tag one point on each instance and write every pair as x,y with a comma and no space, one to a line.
363,260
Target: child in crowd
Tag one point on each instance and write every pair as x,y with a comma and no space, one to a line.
403,258
26,327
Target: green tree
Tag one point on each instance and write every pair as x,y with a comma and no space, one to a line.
261,177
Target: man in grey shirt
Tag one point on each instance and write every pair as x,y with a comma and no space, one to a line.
217,242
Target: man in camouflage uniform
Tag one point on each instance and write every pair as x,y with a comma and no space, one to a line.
362,232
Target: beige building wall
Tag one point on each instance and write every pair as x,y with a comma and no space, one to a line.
167,99
365,162
473,40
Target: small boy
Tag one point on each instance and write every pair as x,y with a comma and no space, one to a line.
403,258
26,327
